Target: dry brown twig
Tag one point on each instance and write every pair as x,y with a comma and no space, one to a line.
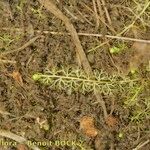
22,47
134,21
83,17
54,10
88,34
142,145
101,35
70,13
3,112
101,19
106,12
79,50
100,10
17,138
96,14
5,61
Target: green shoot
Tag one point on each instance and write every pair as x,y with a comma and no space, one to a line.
118,48
115,50
38,12
133,100
77,80
6,39
142,111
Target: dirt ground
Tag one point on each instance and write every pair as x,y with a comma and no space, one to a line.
32,40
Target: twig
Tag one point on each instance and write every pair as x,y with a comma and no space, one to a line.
96,14
100,10
90,34
70,13
79,50
141,145
53,9
22,47
140,14
101,19
101,35
7,61
116,37
3,112
112,143
79,12
7,9
106,12
16,138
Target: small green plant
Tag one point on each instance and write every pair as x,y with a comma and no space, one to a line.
77,80
133,71
141,111
139,103
5,41
38,12
132,96
114,50
121,135
21,5
118,48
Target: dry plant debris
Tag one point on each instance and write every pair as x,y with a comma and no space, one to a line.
17,77
21,147
112,121
17,138
141,55
88,127
31,41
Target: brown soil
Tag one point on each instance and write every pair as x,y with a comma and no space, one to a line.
42,114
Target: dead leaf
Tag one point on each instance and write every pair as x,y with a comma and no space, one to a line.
22,147
17,77
87,125
112,121
99,143
141,55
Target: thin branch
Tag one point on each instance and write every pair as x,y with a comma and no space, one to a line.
100,18
54,10
22,47
80,13
3,112
70,13
88,34
101,35
96,14
116,37
7,61
141,145
131,25
17,138
100,10
106,12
